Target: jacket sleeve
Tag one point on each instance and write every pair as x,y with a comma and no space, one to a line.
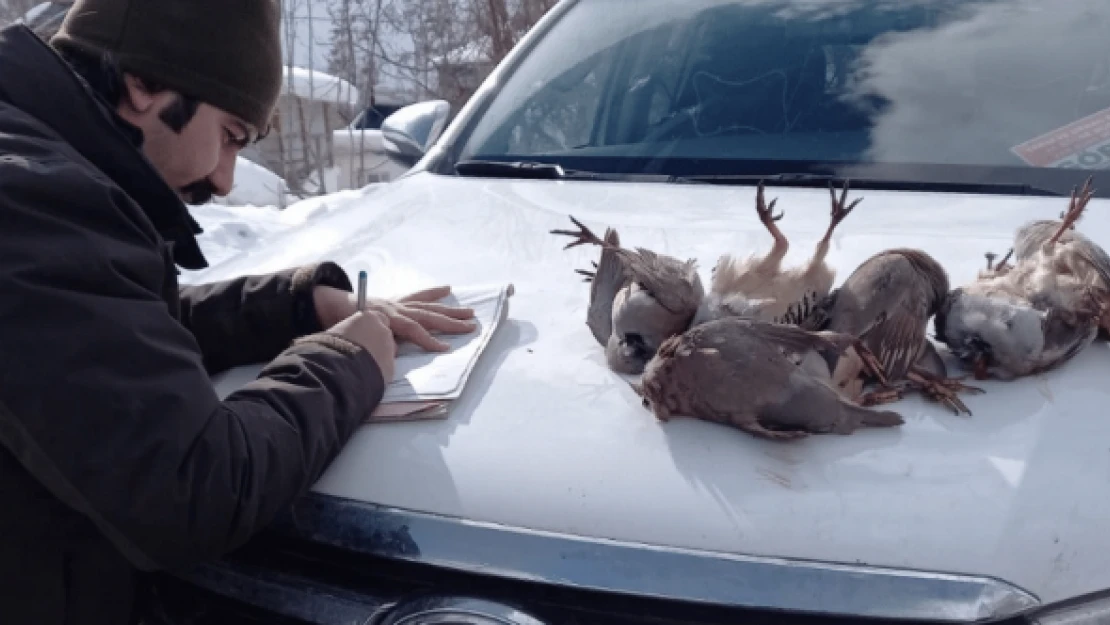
250,319
104,397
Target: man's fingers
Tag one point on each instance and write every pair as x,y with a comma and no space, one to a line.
427,295
440,323
455,312
411,330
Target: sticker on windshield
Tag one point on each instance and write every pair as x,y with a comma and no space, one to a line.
1082,144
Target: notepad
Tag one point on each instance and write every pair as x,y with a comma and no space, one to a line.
424,383
421,375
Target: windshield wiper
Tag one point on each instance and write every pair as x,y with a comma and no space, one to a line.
522,169
871,183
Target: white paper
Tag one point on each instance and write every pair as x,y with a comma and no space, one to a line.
423,375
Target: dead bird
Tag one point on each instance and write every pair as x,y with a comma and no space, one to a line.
770,380
759,288
1072,252
1036,314
892,296
650,298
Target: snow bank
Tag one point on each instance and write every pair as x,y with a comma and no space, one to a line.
256,186
233,230
318,86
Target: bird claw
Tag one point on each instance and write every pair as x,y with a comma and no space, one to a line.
1076,206
839,210
766,211
944,390
583,236
874,367
884,395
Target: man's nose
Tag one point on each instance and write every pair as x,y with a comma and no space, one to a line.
223,177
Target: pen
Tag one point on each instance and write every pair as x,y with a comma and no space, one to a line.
361,291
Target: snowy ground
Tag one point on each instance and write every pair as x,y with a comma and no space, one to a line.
251,217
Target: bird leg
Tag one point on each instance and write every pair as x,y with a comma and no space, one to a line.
871,363
839,212
942,389
1075,209
767,216
583,236
933,386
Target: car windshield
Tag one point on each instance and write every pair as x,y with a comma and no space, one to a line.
1006,91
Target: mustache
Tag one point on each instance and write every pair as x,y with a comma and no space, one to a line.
199,192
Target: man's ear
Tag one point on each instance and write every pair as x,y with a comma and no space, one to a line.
136,99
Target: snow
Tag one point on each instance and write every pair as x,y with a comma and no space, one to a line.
233,230
318,86
257,186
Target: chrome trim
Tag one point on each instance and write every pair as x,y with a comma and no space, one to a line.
644,570
456,609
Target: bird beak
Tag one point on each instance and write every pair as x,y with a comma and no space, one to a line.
980,367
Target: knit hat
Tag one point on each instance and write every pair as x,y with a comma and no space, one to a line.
226,53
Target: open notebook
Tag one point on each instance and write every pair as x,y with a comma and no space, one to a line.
424,383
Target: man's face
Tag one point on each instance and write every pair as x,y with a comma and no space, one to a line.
198,160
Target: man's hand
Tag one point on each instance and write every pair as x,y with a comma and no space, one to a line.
371,331
413,317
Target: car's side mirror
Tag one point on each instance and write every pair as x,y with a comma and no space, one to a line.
410,132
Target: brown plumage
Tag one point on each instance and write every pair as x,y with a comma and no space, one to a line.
895,293
759,288
650,297
770,380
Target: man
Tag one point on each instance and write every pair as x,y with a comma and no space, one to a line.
116,455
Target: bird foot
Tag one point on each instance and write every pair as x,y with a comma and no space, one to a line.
583,236
874,367
766,211
839,210
942,389
885,394
1003,265
590,275
1076,205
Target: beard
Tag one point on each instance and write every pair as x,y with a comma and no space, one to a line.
199,192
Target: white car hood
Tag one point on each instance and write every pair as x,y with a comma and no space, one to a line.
545,437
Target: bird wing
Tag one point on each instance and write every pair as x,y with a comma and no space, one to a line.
673,283
607,280
887,302
792,339
1065,335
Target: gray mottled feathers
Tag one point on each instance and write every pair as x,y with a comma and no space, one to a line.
606,281
673,283
735,371
899,290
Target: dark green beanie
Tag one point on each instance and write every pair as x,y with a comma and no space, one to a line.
226,53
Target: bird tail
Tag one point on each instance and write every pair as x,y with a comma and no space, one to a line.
879,418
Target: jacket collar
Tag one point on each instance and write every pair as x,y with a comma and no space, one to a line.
36,80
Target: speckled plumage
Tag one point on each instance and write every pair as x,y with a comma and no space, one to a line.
894,293
770,380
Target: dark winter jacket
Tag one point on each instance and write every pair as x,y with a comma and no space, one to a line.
116,454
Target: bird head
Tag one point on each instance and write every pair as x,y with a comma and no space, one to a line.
990,335
628,353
